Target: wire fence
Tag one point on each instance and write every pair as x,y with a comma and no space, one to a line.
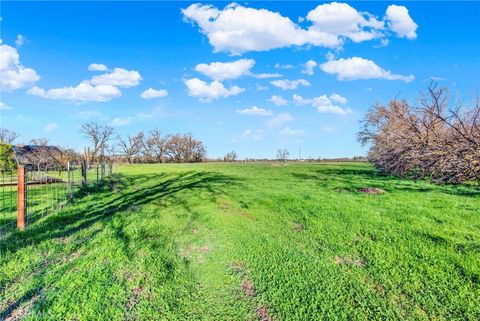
33,192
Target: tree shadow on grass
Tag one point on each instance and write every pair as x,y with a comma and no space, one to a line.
115,195
100,203
361,176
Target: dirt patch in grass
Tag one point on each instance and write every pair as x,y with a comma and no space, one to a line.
20,309
237,267
135,297
248,287
370,190
298,227
262,313
349,260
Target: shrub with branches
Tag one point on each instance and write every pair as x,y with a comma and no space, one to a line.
438,138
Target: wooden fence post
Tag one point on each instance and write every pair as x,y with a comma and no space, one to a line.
84,172
21,197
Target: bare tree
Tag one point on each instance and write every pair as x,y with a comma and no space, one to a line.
8,136
231,156
437,139
282,154
99,136
155,146
131,146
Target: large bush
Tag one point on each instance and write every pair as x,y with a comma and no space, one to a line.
437,138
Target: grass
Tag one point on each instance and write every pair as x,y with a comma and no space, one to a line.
247,242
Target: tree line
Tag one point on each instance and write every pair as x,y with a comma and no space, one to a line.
437,138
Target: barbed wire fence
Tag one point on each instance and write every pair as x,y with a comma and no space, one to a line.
31,192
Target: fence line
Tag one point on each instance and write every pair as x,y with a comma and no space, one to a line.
35,191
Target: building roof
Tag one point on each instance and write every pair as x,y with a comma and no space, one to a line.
37,154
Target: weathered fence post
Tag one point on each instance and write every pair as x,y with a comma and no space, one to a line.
84,172
102,170
110,168
21,197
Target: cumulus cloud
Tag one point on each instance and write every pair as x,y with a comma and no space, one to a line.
119,77
279,120
289,84
13,75
323,103
338,99
226,70
250,134
82,92
20,41
151,93
255,111
278,100
287,131
100,88
50,127
309,67
207,92
400,22
237,29
97,67
359,68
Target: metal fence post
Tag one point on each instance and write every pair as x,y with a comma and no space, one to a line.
21,198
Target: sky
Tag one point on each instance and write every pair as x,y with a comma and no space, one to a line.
252,77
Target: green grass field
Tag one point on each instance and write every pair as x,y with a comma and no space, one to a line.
250,242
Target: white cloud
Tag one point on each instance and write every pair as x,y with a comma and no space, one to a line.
13,75
342,20
255,111
20,40
360,68
289,84
308,67
206,92
101,88
323,103
250,134
4,106
279,120
82,92
266,75
287,131
151,93
400,22
97,67
119,77
280,66
237,29
121,121
226,70
50,127
338,99
278,100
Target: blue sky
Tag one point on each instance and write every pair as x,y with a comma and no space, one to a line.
214,68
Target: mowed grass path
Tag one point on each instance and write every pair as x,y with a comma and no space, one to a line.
248,242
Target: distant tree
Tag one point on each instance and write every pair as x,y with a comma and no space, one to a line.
8,136
99,136
131,146
155,146
282,154
231,156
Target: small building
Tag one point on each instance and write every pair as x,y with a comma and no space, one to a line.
38,156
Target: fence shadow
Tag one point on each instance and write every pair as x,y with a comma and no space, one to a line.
117,194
